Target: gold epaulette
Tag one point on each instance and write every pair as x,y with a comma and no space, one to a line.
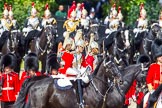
54,21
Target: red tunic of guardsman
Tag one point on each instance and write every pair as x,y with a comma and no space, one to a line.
24,76
153,76
9,80
130,93
10,86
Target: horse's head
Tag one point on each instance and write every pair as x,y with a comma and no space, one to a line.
112,70
15,39
155,31
94,29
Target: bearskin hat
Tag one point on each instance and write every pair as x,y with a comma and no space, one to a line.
156,48
143,58
9,60
52,63
31,62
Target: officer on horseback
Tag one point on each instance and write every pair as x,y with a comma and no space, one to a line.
113,23
32,22
32,25
47,19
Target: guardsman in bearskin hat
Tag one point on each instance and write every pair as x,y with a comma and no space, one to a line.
113,23
5,22
52,64
32,22
47,19
9,79
160,19
31,65
154,75
11,17
142,22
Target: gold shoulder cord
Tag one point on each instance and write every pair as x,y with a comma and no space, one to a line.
54,21
8,25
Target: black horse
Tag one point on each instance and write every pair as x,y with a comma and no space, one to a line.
115,45
116,97
43,44
45,92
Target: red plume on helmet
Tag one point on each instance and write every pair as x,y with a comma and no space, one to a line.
33,5
119,9
46,6
72,8
5,6
82,6
10,10
141,6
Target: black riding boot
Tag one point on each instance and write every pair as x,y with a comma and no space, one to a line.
80,93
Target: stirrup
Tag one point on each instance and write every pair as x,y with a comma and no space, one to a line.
81,105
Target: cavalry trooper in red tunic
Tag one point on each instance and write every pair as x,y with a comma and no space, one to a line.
66,55
154,75
47,19
91,58
10,81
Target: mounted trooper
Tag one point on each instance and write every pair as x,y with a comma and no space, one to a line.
113,23
32,22
84,21
31,28
14,21
47,19
142,22
5,22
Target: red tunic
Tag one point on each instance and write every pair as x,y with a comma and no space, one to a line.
153,75
67,57
24,76
130,93
90,60
10,87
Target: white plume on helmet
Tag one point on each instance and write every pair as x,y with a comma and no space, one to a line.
73,14
10,11
84,12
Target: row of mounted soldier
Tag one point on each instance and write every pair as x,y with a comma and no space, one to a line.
77,54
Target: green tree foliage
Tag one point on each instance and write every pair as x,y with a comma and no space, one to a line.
130,8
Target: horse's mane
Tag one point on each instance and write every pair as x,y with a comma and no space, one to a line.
97,68
20,102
